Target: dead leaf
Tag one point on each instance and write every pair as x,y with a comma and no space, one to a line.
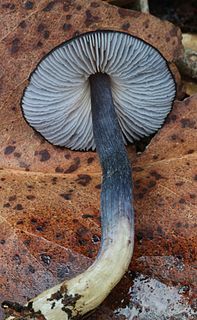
50,222
50,196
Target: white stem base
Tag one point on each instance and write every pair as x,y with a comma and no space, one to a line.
87,291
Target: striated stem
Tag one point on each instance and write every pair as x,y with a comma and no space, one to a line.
116,192
86,291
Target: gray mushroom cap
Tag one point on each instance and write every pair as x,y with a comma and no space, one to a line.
57,101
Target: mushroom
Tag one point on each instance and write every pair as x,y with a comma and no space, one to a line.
99,90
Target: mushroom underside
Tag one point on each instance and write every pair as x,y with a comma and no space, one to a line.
98,90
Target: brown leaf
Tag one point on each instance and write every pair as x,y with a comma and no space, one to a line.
50,226
50,222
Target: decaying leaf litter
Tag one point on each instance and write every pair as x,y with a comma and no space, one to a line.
51,165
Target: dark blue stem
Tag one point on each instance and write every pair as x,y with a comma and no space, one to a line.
116,192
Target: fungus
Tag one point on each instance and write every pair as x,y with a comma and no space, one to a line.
99,90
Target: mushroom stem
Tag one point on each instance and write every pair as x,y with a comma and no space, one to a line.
86,291
116,193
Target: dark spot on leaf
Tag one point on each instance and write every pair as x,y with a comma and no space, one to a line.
179,184
40,228
67,26
45,258
137,183
31,197
31,269
78,7
173,137
192,195
66,196
139,236
59,169
6,205
59,236
15,46
95,238
160,231
155,174
98,186
140,195
63,271
83,235
187,123
167,38
29,186
178,224
174,31
171,118
27,242
68,17
9,149
146,23
190,151
17,154
20,222
94,5
83,179
10,6
155,157
67,4
40,27
33,221
182,201
44,155
90,19
144,190
86,216
73,166
67,156
149,234
49,6
46,34
18,207
151,184
137,169
54,180
90,160
12,198
17,259
39,44
22,164
126,26
29,5
23,24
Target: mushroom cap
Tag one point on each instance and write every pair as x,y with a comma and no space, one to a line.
57,101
